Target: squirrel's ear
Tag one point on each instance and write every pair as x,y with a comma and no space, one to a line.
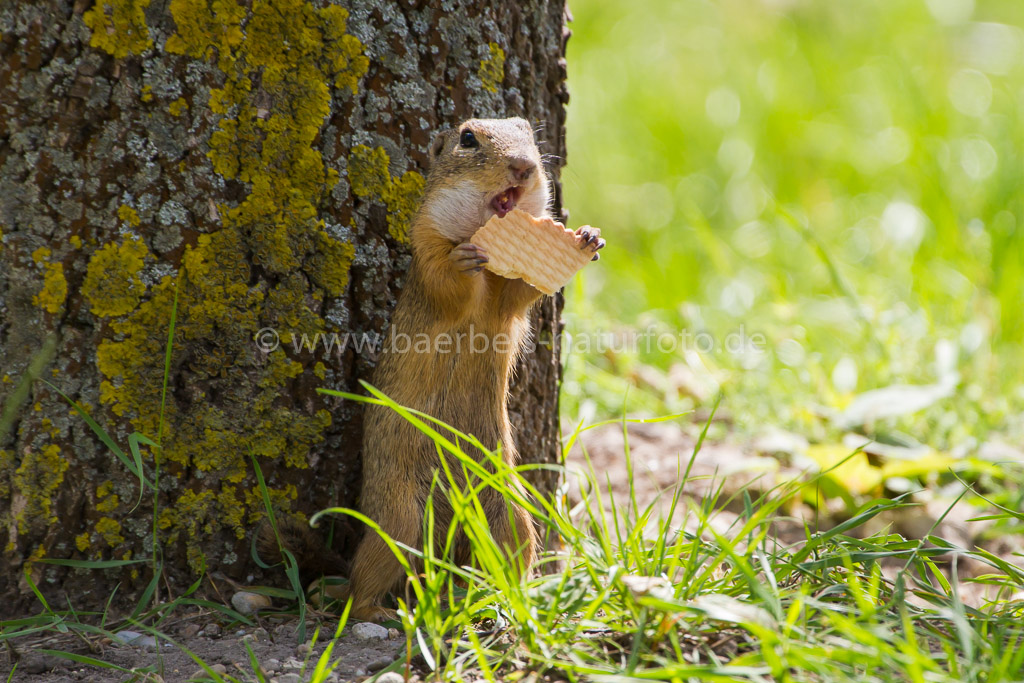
437,146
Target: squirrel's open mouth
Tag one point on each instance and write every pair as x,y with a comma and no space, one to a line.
506,200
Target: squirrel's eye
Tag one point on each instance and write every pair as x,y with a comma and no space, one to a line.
468,140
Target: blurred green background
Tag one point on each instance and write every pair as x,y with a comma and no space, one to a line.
804,201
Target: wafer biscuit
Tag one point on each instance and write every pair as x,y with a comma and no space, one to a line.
540,251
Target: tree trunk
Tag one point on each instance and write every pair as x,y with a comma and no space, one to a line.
247,170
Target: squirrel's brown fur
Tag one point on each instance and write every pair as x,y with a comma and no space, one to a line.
476,169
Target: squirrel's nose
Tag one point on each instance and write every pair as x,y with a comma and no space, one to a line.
522,167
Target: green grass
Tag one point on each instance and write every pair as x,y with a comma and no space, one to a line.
633,597
843,178
637,604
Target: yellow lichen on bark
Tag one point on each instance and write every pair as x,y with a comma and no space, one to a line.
292,50
129,215
178,106
369,175
112,284
37,478
110,530
492,69
277,61
205,27
119,26
55,289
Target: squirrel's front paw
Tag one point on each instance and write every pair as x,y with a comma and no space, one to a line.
468,258
590,238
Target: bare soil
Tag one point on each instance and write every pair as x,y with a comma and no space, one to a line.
278,650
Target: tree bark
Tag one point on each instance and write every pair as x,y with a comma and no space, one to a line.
246,170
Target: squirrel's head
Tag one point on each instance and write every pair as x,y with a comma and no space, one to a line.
482,168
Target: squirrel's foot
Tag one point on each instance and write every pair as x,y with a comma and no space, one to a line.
327,589
589,238
323,591
468,258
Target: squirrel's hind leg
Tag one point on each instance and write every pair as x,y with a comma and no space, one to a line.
375,569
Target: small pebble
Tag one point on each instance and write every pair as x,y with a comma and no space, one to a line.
249,603
136,640
272,665
190,631
39,665
368,631
391,677
126,637
201,673
289,678
213,630
394,634
378,664
303,649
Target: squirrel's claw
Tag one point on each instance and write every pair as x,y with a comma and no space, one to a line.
468,258
590,238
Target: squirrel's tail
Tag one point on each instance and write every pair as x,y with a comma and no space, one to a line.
314,557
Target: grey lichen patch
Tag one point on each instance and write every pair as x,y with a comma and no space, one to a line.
172,213
414,95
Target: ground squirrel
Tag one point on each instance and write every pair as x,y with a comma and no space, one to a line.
484,167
